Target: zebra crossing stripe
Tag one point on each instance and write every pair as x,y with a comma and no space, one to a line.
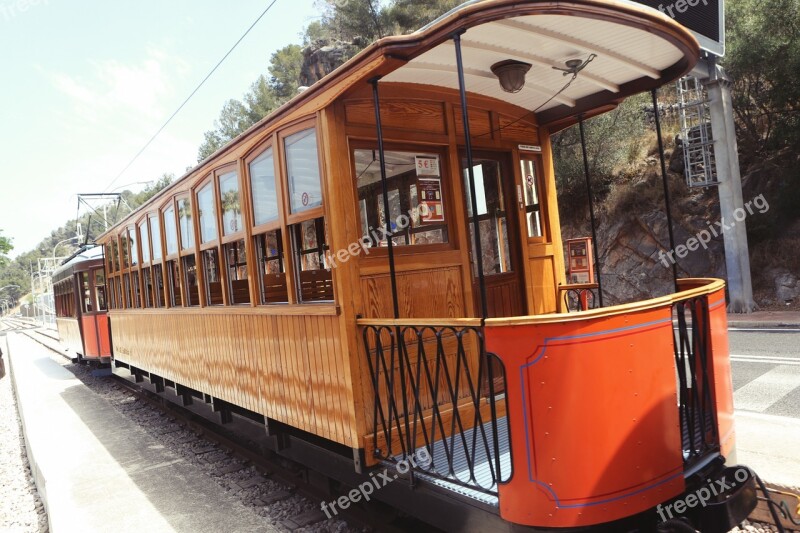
767,389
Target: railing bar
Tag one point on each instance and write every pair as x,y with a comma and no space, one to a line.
393,413
459,358
376,382
475,394
417,387
404,388
493,408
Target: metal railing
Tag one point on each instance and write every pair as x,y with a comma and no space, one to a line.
692,346
437,389
579,298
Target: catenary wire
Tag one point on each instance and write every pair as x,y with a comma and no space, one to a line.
149,142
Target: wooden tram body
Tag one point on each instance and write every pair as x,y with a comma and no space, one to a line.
264,280
80,304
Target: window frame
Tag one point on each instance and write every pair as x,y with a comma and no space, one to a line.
440,150
278,224
167,258
191,250
541,207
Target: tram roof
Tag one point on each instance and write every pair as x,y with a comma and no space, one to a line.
88,253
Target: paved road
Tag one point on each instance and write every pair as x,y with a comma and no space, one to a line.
766,371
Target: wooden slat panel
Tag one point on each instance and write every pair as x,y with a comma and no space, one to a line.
543,284
409,115
422,293
288,368
480,122
69,333
512,128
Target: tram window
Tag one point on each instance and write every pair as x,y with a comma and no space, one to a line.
123,245
262,187
100,290
492,216
86,294
302,168
190,280
112,301
315,282
137,296
416,203
155,236
174,280
118,291
208,214
272,276
134,250
145,240
158,286
185,221
530,185
211,277
109,251
126,281
148,287
229,201
171,231
238,285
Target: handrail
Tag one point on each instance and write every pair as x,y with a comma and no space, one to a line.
709,286
701,286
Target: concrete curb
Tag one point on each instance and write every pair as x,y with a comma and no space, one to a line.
744,324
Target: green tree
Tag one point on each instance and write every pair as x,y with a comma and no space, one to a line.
763,58
410,15
284,71
5,247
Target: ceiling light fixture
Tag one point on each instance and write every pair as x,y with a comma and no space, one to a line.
511,74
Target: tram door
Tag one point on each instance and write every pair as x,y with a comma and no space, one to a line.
499,237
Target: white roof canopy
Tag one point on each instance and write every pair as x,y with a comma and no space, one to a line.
623,51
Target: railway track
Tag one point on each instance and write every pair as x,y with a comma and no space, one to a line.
285,492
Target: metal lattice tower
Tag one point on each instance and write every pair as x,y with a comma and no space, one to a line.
698,141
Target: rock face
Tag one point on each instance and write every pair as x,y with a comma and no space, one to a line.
787,288
634,247
323,57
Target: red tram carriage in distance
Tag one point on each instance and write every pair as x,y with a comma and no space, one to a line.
373,273
79,289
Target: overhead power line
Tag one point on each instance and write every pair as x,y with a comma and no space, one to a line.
153,138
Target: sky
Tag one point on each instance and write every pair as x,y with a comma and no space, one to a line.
84,84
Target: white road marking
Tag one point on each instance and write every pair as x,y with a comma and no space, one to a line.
766,359
767,389
766,330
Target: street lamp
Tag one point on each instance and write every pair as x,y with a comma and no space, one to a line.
9,286
8,304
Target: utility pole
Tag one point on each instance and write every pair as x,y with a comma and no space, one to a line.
731,201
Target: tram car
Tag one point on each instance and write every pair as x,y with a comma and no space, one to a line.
79,290
373,273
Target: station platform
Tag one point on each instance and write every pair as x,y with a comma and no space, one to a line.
98,471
